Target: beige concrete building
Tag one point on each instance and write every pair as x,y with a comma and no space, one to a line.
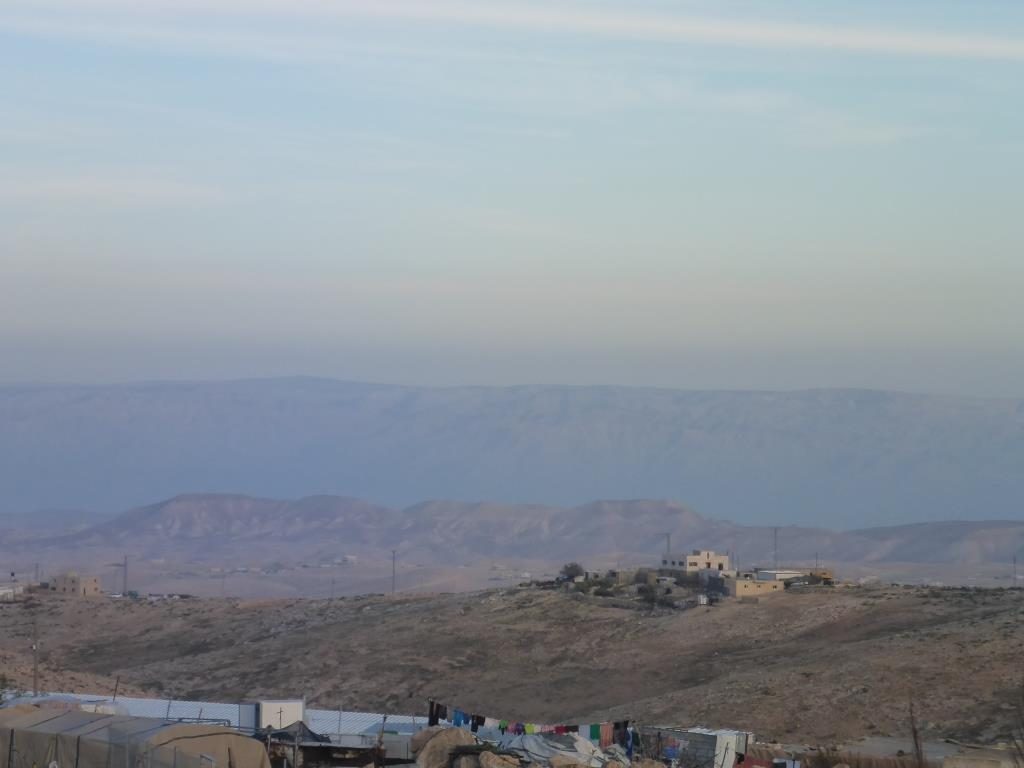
72,583
694,562
746,585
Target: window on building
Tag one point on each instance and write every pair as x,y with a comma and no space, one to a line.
720,567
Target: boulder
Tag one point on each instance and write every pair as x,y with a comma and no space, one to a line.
437,752
492,760
646,762
466,761
420,738
564,761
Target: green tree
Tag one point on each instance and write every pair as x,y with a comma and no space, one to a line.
572,570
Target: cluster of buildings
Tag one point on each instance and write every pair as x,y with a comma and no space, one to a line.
70,583
714,571
710,572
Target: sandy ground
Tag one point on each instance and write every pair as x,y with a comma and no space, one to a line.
816,667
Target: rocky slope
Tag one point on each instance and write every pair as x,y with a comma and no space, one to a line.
214,528
817,666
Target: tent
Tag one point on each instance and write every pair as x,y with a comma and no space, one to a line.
33,737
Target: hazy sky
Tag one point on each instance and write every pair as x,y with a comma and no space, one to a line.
727,194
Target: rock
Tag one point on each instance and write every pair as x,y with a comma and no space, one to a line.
562,761
646,762
840,765
614,764
420,738
436,753
491,760
466,761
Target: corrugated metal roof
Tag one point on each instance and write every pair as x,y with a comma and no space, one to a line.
324,721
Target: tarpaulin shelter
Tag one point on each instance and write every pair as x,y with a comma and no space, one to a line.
33,737
540,748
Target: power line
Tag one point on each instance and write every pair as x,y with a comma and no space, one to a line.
394,561
35,655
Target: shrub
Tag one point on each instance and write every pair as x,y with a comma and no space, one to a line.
572,570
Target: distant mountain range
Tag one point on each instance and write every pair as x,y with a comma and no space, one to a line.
212,528
835,458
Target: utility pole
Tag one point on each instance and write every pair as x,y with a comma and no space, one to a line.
394,561
35,655
775,536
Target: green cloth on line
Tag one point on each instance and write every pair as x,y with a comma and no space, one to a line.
595,732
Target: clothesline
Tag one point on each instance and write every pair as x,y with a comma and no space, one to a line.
603,734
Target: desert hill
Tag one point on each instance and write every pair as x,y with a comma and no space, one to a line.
835,458
814,666
229,544
224,527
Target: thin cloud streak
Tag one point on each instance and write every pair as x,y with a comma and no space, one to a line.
664,28
649,27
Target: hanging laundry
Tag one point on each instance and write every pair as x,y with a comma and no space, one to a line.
607,735
595,732
432,718
459,718
531,728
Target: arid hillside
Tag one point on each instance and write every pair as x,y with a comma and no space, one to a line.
817,666
218,530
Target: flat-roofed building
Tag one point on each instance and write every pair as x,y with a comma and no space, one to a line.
74,583
695,561
748,585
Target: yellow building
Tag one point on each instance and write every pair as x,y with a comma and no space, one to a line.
71,583
745,585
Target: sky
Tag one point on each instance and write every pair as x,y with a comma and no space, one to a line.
729,195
